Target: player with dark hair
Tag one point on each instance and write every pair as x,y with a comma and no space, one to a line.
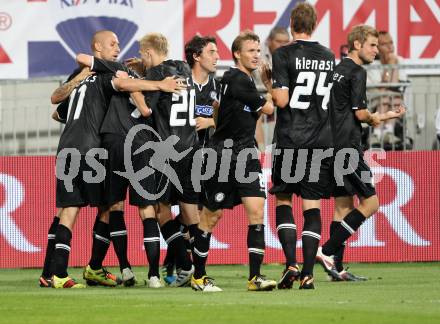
240,107
202,55
348,109
302,73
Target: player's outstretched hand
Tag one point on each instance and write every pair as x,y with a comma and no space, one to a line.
396,113
266,74
203,123
121,74
375,119
172,84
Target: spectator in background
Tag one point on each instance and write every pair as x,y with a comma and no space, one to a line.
386,56
343,51
437,130
278,36
383,96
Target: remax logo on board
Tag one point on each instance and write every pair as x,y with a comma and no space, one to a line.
75,22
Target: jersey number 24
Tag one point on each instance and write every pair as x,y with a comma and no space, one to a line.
309,78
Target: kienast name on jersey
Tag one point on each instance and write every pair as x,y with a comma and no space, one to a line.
307,64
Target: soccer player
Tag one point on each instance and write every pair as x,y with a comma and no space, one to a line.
104,44
201,55
173,117
348,109
78,149
302,74
240,107
120,118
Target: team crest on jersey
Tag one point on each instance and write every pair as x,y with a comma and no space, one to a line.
246,108
219,197
213,95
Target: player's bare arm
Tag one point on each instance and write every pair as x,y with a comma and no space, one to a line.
203,123
63,92
365,116
280,97
268,106
139,101
169,84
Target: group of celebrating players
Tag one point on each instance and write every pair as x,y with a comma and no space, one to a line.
169,109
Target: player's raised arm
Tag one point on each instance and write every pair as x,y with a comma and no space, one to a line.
139,101
169,84
63,92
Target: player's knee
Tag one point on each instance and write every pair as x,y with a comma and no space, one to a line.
118,206
283,200
370,206
214,218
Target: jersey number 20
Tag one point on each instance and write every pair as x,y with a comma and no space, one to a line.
309,79
183,104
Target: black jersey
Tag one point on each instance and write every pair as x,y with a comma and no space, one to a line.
206,94
173,114
348,95
63,107
306,69
122,115
238,111
87,107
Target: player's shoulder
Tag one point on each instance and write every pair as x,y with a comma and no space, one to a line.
234,74
176,67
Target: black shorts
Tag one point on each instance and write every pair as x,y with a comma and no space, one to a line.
82,193
358,182
226,193
142,193
169,191
308,176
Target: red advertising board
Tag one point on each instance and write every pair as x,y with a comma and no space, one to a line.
404,229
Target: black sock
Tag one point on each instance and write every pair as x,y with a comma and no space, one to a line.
62,250
200,251
256,245
347,227
152,245
192,230
101,243
47,271
286,230
311,236
118,235
185,231
172,235
339,255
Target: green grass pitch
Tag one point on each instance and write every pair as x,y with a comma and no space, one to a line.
395,293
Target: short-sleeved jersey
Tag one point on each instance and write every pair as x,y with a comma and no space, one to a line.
305,68
206,94
238,111
173,114
348,95
121,115
87,107
63,107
